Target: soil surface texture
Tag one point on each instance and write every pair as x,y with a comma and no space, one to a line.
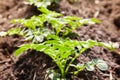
32,65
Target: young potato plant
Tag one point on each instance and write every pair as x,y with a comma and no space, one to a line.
65,51
49,22
56,21
44,33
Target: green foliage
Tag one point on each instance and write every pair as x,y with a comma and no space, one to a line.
38,21
100,64
57,21
35,35
90,65
14,31
44,30
65,51
53,75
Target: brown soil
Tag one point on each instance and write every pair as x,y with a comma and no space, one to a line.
32,65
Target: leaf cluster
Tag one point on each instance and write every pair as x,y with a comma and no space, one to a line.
61,50
56,21
38,27
44,30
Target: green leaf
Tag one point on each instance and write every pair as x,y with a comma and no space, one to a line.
78,66
53,75
22,48
54,37
89,21
40,47
106,45
14,31
101,65
89,66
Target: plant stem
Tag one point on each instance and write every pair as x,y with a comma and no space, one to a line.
76,55
62,69
76,72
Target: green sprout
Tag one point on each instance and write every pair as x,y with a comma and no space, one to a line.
64,52
44,32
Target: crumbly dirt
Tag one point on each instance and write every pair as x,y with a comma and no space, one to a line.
32,65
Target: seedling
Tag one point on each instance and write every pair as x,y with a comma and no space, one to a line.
56,21
65,51
44,33
38,27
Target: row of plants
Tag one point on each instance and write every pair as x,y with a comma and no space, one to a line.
49,32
